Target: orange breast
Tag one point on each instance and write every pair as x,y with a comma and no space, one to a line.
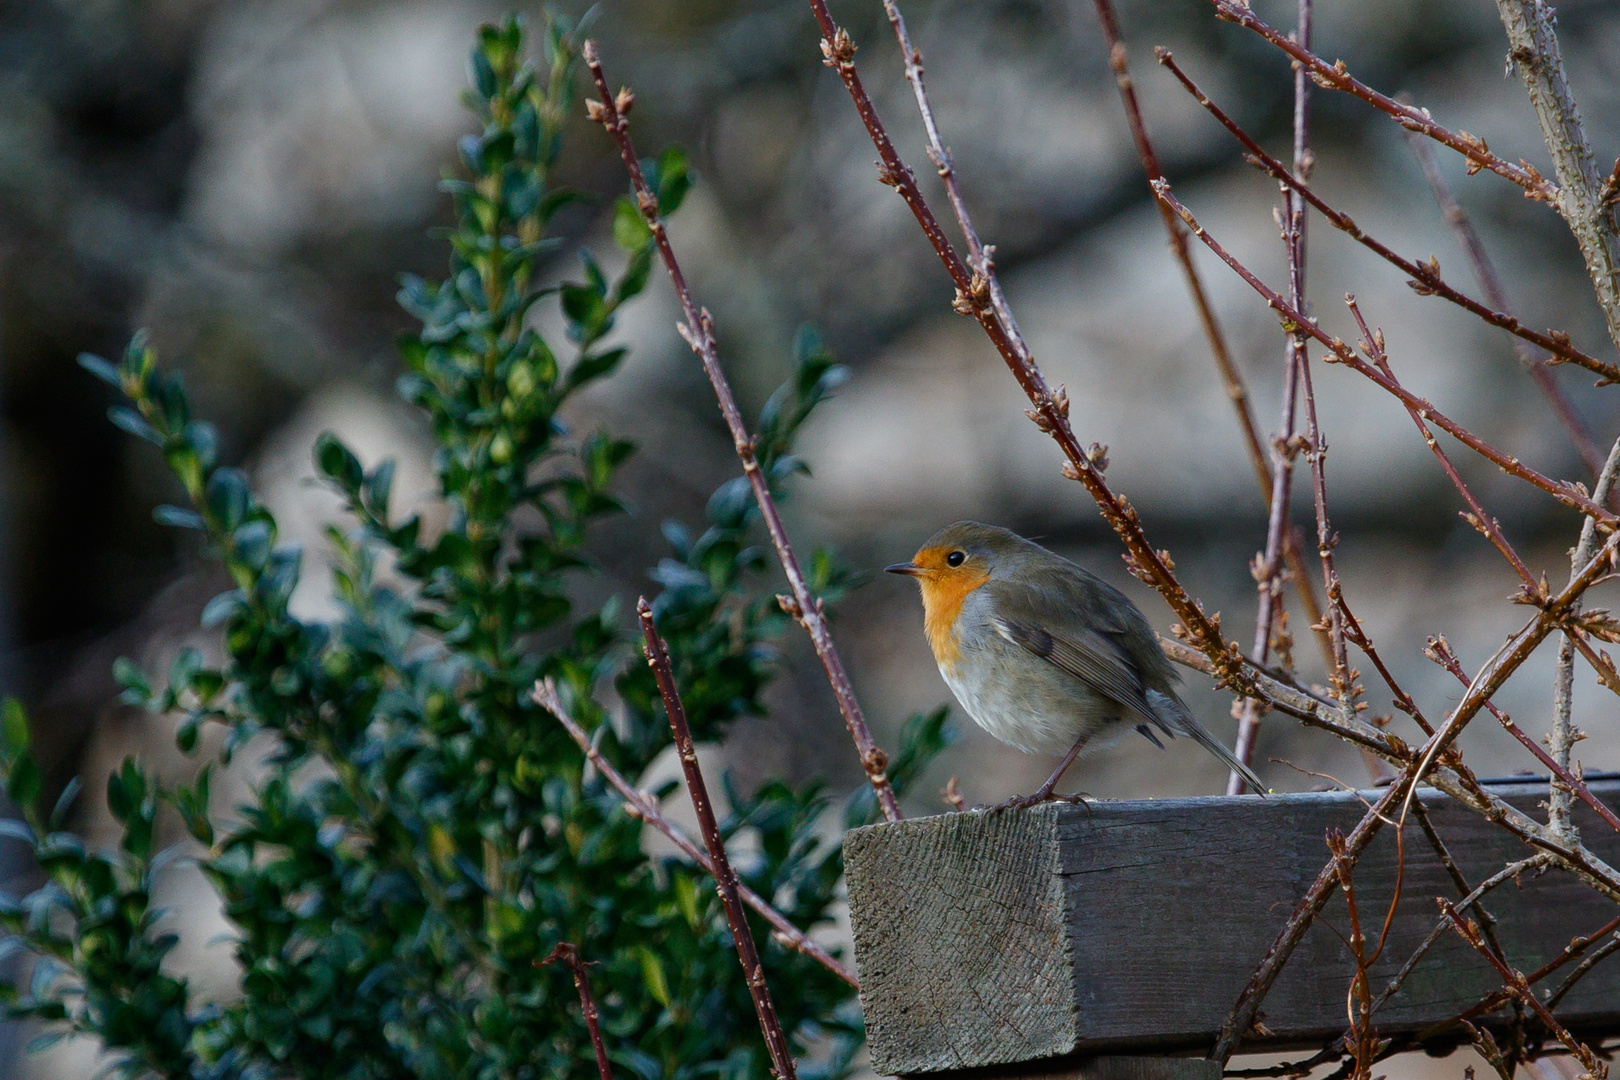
943,594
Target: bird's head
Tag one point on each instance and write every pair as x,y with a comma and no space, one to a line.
950,565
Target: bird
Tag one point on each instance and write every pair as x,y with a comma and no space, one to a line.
1043,654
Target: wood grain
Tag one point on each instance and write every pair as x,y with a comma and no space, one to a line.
990,939
1108,1067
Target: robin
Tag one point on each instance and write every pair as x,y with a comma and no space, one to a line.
1043,654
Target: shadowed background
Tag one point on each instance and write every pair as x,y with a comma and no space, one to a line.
248,179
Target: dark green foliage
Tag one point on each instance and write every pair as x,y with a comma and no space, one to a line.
422,832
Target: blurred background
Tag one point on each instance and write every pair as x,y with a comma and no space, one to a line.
248,179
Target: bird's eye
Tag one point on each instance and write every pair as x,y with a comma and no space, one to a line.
956,558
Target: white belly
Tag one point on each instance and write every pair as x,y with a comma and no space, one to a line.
1020,719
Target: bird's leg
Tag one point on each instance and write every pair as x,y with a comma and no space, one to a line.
1044,792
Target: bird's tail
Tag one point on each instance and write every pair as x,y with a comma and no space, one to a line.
1176,717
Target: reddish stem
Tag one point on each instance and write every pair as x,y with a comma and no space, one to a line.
725,878
1230,376
1514,980
1426,277
1372,343
639,804
1485,274
1440,651
1336,77
1268,576
698,330
569,955
1568,494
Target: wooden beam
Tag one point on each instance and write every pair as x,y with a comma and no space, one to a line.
1109,1067
1129,927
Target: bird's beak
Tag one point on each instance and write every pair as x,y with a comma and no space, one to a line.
910,569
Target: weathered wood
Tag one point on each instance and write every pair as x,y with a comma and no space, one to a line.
990,939
1114,1067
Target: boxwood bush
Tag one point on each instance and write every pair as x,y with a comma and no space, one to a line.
421,833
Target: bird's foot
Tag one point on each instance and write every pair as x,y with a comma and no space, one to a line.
1036,798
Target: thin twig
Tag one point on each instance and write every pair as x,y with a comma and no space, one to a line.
1576,947
1340,623
1451,776
1426,279
569,955
1231,378
1514,980
1361,1038
1335,76
1496,296
1580,971
980,255
1356,635
1439,650
1490,678
1241,1018
725,877
1601,663
1458,880
1372,345
1470,898
1561,739
1572,495
698,330
639,804
1268,574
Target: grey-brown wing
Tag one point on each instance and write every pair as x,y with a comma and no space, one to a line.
1092,659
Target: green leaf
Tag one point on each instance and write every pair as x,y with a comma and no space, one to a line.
129,420
338,463
652,974
178,518
14,726
673,180
137,690
630,230
64,803
686,898
24,782
101,369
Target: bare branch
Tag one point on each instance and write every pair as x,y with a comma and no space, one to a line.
1268,574
698,330
1247,1007
725,878
1439,650
1581,197
1608,949
1425,277
639,804
1571,495
1561,739
1336,76
1485,274
1515,981
1470,898
1372,344
980,255
568,954
1231,378
1576,947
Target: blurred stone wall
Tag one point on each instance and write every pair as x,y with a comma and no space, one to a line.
246,179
